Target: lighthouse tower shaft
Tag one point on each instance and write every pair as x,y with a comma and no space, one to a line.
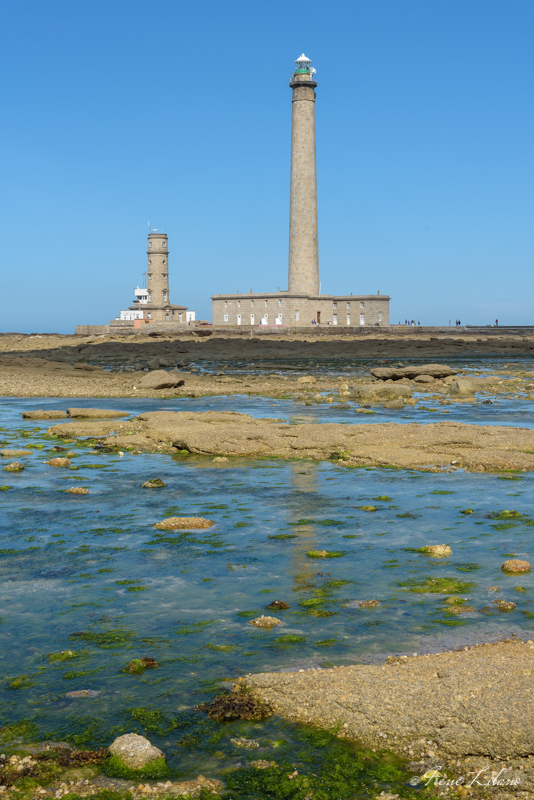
303,234
158,269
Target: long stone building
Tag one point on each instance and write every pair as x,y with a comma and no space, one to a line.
302,304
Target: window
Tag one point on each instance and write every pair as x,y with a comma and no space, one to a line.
239,303
150,261
348,305
280,317
335,305
296,315
149,315
334,321
279,302
166,317
239,319
252,319
226,317
362,319
380,316
164,297
362,305
149,298
179,317
265,317
150,244
348,319
252,303
163,244
163,260
226,303
266,302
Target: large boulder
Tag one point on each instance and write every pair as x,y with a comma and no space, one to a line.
370,391
433,370
468,386
134,751
159,379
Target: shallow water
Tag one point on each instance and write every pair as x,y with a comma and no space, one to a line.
91,574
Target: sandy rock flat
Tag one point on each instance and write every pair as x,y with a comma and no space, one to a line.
442,445
470,702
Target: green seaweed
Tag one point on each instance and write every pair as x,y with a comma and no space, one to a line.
289,638
319,554
155,770
436,585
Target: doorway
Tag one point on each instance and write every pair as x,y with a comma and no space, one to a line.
318,317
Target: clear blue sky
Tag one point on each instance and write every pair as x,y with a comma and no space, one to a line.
120,110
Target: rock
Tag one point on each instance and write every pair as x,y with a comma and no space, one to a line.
138,665
246,744
516,565
58,462
183,523
368,603
460,609
220,459
77,490
153,483
40,414
134,751
96,413
395,404
468,386
493,588
261,763
159,379
424,379
264,622
371,391
83,693
15,453
306,379
15,466
437,550
431,370
504,605
280,604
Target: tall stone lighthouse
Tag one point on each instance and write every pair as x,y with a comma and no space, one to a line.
302,304
303,239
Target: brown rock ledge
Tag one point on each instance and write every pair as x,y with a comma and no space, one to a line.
436,446
472,702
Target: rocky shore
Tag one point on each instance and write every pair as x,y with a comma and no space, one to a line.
74,366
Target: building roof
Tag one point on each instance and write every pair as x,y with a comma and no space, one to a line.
303,59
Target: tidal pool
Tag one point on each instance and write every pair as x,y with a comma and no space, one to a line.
91,575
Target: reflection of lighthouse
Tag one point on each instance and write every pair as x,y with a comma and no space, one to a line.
304,483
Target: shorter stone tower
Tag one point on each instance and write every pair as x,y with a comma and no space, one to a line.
158,269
